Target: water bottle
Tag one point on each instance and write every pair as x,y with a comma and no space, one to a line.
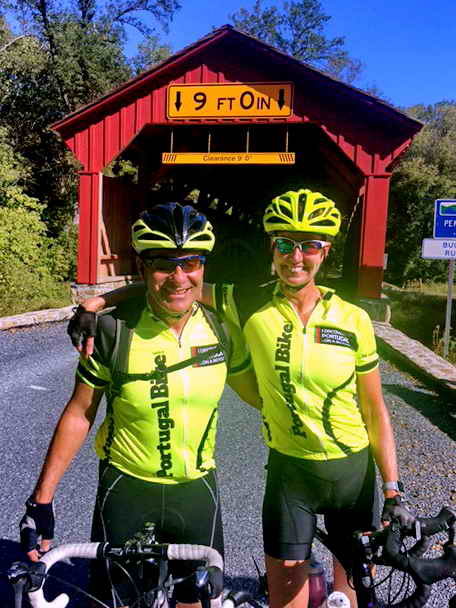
337,599
317,584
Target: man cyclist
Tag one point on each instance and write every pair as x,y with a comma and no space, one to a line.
162,361
315,359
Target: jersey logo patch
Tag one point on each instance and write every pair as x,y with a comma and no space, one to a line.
214,355
335,337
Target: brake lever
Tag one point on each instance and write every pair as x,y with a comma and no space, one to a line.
202,583
18,587
25,577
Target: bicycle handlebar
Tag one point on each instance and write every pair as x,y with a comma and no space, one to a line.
424,571
98,550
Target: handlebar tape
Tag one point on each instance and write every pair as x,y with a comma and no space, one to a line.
86,550
196,552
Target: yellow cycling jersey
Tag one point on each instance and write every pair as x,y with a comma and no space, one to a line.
306,375
160,423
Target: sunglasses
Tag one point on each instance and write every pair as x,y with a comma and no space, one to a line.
284,245
169,265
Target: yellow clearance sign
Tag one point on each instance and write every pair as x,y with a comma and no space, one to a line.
228,158
248,100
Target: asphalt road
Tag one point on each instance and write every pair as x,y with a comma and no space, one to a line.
36,375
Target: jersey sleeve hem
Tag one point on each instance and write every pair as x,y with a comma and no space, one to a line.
90,379
368,367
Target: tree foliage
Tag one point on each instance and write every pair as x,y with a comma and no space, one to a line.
298,29
426,172
81,42
150,52
63,55
13,174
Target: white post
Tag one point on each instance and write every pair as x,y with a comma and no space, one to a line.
446,336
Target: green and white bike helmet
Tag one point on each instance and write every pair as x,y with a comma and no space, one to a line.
302,211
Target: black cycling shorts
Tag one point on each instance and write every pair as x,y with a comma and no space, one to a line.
183,513
343,490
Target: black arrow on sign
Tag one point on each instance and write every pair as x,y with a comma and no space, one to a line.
281,100
178,101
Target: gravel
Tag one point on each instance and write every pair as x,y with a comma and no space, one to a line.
36,371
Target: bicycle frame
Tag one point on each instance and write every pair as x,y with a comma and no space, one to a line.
358,570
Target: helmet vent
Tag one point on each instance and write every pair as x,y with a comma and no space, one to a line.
201,237
302,202
286,211
316,213
275,220
154,236
326,223
198,224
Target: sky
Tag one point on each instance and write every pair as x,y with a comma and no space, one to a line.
408,47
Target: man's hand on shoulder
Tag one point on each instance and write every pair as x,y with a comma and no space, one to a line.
82,328
83,325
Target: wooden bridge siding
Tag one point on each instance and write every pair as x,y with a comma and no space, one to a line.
120,202
97,145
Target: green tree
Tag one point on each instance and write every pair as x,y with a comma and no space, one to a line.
83,40
297,28
426,172
64,55
29,102
27,256
14,171
150,52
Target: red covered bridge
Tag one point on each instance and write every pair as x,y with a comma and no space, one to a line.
325,135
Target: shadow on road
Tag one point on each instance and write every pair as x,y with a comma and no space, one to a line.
75,573
435,408
242,583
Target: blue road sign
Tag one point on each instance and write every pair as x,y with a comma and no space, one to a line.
445,219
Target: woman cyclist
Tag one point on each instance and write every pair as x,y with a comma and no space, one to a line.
324,418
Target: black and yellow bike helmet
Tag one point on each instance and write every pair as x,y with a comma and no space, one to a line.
172,226
302,211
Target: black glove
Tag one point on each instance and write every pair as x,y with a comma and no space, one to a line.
396,508
82,325
37,522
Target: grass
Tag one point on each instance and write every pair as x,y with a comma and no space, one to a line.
58,296
431,289
419,311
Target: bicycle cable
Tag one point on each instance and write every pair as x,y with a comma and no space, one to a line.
130,578
166,586
77,588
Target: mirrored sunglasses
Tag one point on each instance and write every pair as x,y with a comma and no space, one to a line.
169,265
285,245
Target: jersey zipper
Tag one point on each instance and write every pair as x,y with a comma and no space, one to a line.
184,401
305,339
